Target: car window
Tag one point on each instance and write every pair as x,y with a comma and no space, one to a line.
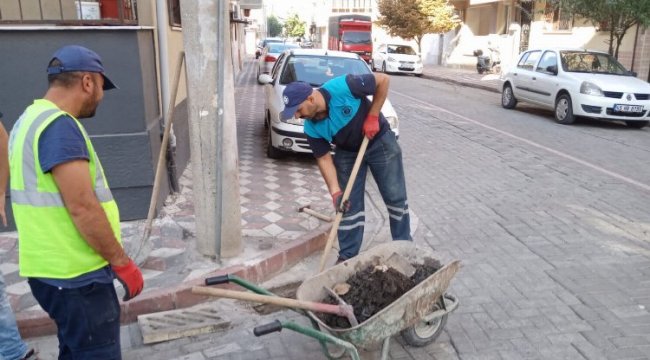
400,49
522,61
591,62
276,66
317,69
531,60
280,47
548,59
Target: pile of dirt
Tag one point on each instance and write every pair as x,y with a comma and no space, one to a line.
372,289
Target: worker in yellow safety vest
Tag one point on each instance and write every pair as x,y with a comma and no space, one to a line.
68,222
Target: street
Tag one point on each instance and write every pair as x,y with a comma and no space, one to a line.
551,224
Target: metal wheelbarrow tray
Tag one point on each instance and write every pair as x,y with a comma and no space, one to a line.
420,314
416,306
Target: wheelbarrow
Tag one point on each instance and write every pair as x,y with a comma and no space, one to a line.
419,315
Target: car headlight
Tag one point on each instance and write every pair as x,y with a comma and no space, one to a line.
294,121
392,121
590,89
391,59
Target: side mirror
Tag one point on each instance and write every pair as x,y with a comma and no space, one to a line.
633,73
265,79
552,69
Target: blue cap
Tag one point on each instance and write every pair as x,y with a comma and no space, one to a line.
292,96
79,58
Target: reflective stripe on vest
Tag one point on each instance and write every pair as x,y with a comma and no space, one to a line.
30,195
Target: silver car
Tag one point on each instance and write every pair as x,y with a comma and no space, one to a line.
270,53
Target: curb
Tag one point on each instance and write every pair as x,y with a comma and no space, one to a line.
38,323
462,83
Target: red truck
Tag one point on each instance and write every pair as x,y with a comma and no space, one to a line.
351,33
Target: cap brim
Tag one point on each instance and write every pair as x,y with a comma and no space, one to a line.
108,84
288,112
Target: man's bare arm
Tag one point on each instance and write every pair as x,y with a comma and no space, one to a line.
381,81
327,169
89,217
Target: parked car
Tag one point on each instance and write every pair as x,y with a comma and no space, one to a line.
396,58
263,43
314,66
577,82
270,53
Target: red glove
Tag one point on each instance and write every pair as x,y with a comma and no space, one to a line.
371,126
130,277
336,200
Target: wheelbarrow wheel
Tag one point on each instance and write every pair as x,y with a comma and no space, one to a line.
425,332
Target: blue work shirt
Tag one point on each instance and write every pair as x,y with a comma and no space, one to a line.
347,109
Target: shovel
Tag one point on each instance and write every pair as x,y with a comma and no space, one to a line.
346,195
345,311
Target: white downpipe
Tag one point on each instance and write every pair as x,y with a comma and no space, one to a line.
162,22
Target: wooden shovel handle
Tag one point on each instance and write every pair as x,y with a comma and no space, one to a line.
266,299
346,195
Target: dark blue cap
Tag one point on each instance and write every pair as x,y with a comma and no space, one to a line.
79,58
292,96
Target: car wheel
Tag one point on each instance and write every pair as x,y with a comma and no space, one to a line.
271,152
372,65
508,100
418,75
258,77
637,124
383,68
267,119
564,110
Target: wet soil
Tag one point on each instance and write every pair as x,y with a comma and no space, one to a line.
371,290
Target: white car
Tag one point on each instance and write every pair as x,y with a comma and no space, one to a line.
315,67
396,58
577,82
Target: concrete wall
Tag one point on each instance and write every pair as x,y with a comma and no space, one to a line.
126,129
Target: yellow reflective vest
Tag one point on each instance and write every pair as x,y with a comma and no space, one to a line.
49,244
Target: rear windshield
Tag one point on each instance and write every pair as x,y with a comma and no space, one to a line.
591,62
316,70
357,37
280,47
400,49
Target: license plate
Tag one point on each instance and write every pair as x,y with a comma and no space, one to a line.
628,108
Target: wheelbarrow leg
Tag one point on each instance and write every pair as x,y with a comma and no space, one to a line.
384,348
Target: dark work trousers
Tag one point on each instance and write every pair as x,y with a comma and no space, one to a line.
87,319
384,159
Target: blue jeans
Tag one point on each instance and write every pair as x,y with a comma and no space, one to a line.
384,159
12,347
87,319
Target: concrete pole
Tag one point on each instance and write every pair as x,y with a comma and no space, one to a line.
213,132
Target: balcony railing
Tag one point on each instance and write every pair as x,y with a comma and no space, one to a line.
69,12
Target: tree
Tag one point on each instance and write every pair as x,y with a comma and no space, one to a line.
616,16
274,27
412,19
294,27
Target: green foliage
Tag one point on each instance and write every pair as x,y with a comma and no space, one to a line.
294,27
412,19
274,27
616,16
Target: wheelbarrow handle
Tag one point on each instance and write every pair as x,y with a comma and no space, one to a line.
267,328
216,280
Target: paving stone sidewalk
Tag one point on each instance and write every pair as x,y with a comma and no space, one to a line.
463,77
